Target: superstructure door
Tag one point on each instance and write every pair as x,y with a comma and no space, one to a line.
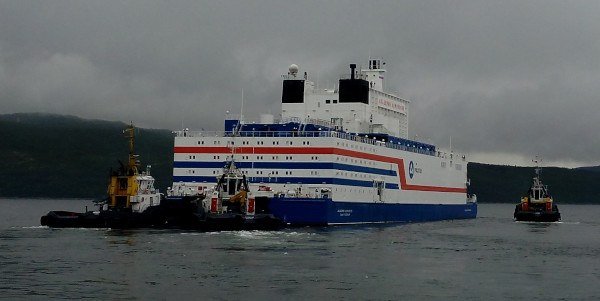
379,188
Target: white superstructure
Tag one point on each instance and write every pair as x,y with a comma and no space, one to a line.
347,144
377,111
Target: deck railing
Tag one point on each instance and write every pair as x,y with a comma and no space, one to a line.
333,134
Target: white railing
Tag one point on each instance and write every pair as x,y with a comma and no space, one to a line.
333,134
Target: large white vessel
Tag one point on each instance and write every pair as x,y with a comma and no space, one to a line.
336,156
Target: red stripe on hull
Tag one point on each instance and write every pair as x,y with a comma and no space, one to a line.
318,151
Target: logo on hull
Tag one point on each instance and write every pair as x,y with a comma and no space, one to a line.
411,169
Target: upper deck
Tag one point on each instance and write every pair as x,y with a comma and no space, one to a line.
310,130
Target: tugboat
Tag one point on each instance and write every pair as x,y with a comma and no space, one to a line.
538,205
132,200
232,206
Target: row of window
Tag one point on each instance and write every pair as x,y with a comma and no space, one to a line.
262,157
312,173
359,147
218,142
331,100
314,158
257,142
353,190
351,174
245,172
258,172
345,159
443,164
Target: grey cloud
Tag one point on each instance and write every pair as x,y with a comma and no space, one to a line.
514,77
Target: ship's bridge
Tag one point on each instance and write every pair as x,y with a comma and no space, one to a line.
358,103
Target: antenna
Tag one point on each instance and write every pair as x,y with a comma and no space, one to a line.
237,128
242,109
538,165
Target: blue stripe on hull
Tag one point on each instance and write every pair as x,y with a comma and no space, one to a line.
287,166
284,180
300,211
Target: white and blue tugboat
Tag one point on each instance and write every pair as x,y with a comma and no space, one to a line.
338,155
230,205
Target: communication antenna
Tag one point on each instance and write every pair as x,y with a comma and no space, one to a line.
236,130
538,165
242,109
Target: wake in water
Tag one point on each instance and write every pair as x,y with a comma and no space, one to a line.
548,223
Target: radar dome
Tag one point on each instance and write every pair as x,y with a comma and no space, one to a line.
293,69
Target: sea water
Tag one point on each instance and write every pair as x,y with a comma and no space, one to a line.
488,258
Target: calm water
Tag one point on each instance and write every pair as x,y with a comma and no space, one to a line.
489,258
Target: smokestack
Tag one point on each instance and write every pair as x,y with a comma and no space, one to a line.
352,67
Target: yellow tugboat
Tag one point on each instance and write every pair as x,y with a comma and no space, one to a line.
130,190
538,205
132,199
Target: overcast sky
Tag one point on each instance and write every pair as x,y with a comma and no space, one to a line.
507,80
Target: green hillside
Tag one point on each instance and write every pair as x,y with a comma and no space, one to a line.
57,156
63,156
499,183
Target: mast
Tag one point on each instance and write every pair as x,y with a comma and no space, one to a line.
133,163
123,184
538,169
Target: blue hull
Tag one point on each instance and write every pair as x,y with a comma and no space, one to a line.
305,211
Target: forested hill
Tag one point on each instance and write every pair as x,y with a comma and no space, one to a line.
499,183
55,156
59,156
